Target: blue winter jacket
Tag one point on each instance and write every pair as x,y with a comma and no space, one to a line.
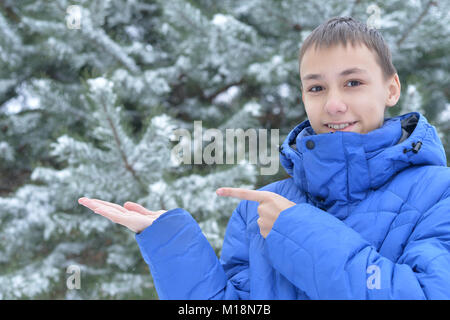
371,221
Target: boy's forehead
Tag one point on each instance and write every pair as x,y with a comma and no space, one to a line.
343,73
343,60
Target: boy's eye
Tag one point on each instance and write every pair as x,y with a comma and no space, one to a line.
312,89
354,81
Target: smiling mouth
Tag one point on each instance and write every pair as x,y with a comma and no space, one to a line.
347,128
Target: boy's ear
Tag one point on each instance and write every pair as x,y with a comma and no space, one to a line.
394,90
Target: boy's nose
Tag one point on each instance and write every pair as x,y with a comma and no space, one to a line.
335,105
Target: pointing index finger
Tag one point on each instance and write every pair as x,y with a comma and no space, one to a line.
243,194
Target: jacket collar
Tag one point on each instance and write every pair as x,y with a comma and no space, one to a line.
338,169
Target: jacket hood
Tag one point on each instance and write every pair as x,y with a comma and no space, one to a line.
342,167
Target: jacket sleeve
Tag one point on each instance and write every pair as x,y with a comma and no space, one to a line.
329,260
183,263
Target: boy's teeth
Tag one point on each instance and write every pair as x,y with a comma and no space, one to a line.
338,126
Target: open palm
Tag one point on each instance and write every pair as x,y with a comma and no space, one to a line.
132,215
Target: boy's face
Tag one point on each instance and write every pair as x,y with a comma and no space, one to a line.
345,85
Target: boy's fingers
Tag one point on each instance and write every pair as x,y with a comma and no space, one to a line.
87,203
94,203
114,205
138,208
129,207
112,214
244,194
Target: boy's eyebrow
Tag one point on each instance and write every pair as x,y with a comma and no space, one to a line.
346,72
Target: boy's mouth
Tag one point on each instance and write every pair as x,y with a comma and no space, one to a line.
340,127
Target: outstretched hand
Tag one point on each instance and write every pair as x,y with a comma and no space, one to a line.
270,205
136,218
132,215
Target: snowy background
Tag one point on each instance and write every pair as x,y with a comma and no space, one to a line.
89,97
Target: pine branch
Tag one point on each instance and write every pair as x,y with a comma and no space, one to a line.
181,14
416,23
128,167
211,97
9,12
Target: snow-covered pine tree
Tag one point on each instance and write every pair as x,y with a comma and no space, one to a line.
53,232
45,208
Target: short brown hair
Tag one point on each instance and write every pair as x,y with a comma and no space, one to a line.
340,30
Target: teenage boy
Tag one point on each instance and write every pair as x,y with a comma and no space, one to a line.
364,215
